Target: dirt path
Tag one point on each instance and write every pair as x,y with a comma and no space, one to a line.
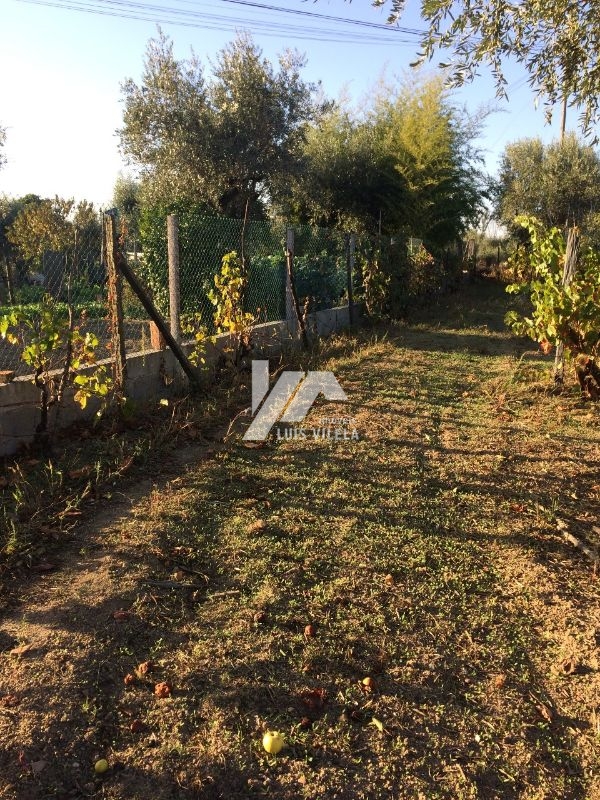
425,557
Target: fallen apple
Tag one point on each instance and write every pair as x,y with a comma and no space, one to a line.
101,766
273,742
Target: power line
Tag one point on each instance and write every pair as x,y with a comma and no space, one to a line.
346,20
172,15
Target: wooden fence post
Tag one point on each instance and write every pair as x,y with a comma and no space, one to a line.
162,326
294,314
571,258
115,303
174,293
350,259
290,315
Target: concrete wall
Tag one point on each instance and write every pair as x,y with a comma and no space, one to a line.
152,374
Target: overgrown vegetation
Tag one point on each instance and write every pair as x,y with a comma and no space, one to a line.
59,355
567,313
400,607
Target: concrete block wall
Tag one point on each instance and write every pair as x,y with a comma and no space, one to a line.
151,374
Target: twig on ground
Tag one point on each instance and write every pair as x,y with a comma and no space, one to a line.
589,551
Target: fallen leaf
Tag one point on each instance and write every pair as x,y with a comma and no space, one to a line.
310,631
145,667
518,508
569,666
9,701
121,616
389,580
129,679
162,690
254,445
545,712
21,650
137,726
377,723
260,617
499,681
367,684
256,526
314,699
305,723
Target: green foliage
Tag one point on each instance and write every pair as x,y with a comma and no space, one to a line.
32,299
405,162
571,313
265,292
42,226
58,352
376,284
204,240
192,325
57,238
321,278
226,141
348,180
558,183
228,298
554,40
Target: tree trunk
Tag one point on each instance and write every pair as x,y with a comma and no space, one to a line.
571,258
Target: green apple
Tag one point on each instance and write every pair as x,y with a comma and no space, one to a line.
273,742
101,766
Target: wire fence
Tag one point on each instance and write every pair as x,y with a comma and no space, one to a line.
74,275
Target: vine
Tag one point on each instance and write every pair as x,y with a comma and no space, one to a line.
59,353
561,313
228,298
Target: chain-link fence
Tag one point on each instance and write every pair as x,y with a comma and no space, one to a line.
74,276
319,264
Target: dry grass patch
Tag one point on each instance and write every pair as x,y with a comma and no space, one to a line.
400,607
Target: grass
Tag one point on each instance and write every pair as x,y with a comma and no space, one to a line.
424,555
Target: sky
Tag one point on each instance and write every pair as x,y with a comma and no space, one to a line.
60,97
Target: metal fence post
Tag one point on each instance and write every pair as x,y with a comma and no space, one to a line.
350,259
174,293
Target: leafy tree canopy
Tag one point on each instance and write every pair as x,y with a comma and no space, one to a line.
223,141
41,225
407,159
555,40
126,196
558,183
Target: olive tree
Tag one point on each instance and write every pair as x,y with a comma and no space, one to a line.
225,140
556,41
558,183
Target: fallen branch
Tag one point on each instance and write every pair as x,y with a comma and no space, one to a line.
585,548
174,585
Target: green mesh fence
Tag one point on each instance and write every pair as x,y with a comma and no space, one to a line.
76,275
319,264
320,267
73,276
